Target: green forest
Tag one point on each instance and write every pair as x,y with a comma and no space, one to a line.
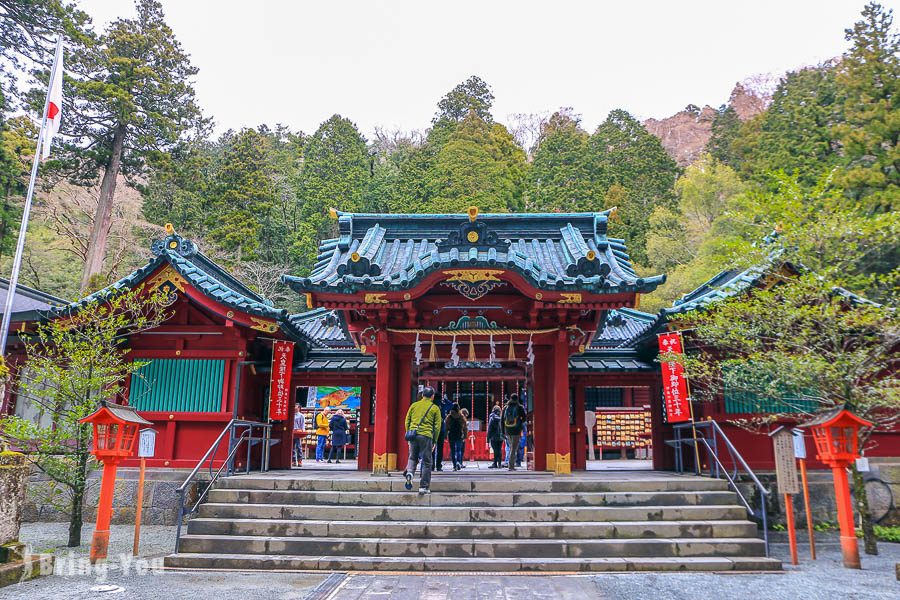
820,165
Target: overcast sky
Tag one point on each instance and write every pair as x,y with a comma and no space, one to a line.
388,63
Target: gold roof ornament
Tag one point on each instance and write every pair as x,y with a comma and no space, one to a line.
473,213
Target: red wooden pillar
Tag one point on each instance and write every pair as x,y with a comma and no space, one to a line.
542,398
364,429
559,456
381,456
402,393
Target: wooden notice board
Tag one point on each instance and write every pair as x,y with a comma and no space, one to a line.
785,465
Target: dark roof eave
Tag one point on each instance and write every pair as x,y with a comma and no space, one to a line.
643,285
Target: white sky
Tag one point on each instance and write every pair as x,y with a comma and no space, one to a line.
388,63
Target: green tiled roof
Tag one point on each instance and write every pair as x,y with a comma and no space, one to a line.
552,251
598,361
207,277
326,327
337,361
726,284
623,327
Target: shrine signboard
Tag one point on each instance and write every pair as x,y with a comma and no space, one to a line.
785,463
674,385
280,384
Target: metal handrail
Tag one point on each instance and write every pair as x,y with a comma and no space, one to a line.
716,467
227,465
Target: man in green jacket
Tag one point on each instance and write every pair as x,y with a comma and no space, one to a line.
423,417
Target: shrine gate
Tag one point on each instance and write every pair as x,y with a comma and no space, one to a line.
502,298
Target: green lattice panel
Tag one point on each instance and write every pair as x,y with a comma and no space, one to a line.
178,385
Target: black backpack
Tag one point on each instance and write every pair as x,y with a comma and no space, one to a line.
511,416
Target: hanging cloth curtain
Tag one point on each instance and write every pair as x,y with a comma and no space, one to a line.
418,350
530,352
454,353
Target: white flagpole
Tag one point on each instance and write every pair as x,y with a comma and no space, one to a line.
23,228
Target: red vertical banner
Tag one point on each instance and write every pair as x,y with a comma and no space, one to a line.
280,384
673,382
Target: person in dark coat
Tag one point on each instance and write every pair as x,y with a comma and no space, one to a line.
445,405
340,436
462,456
513,417
495,436
455,424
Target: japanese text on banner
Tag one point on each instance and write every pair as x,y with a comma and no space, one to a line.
280,384
674,384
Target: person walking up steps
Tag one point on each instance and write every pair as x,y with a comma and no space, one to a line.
455,425
445,405
495,436
513,419
423,426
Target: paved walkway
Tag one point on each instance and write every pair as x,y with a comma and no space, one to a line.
822,579
129,579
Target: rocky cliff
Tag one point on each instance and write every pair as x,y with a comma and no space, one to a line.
684,135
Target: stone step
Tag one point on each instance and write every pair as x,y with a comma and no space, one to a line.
453,483
473,548
457,529
356,563
488,499
213,510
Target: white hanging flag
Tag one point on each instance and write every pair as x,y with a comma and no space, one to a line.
454,353
54,103
493,350
530,351
418,351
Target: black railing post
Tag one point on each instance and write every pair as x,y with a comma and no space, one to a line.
249,448
718,470
227,466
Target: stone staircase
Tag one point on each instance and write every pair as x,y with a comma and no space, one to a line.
497,522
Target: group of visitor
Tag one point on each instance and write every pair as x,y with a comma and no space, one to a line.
429,422
335,425
427,425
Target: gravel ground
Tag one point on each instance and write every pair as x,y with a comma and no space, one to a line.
142,578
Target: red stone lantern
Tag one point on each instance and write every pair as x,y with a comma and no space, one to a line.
836,434
115,433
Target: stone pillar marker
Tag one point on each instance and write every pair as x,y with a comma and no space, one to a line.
13,475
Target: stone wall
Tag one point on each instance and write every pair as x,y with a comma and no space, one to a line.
160,500
821,492
13,474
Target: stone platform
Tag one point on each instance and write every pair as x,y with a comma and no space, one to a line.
481,521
